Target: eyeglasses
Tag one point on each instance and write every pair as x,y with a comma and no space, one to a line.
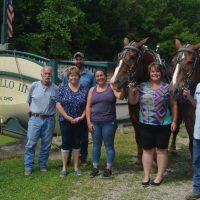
47,74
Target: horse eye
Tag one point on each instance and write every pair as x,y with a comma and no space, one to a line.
191,61
133,58
179,57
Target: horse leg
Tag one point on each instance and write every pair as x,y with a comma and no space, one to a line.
134,115
173,142
175,133
189,125
139,146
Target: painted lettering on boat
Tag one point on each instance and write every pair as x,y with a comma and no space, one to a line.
10,84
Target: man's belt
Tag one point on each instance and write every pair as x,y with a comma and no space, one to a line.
41,115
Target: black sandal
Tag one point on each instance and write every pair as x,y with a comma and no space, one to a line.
146,183
157,184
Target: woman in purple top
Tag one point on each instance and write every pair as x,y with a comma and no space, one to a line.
71,103
101,120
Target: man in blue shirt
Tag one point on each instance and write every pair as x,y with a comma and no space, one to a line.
87,77
41,124
86,80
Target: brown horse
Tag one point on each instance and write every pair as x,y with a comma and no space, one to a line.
132,68
186,75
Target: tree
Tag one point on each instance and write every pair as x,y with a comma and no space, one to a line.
58,28
25,24
115,19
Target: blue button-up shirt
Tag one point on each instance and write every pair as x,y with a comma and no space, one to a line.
86,80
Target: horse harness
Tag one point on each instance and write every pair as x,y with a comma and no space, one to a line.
181,50
131,70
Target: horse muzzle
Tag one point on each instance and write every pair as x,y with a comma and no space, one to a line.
176,91
121,84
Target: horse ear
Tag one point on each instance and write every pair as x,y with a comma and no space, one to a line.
196,46
141,43
126,41
178,44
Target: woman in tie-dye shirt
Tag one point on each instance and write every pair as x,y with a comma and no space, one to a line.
156,122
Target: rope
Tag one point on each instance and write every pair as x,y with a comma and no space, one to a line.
18,67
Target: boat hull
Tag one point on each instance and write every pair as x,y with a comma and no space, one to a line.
16,76
13,95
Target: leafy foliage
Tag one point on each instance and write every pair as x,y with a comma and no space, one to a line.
58,28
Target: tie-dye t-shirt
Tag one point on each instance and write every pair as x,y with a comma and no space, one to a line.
154,104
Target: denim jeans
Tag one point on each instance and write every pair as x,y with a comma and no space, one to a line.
196,166
103,131
38,128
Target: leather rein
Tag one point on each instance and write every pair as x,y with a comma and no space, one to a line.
187,79
131,70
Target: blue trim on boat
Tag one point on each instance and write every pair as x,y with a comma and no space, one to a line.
16,75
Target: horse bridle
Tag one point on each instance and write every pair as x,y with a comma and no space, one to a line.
131,70
187,79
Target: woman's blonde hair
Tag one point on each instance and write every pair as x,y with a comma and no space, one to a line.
156,66
73,70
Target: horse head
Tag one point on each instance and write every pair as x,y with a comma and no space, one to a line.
184,63
128,61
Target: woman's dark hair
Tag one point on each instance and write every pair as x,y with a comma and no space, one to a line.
100,69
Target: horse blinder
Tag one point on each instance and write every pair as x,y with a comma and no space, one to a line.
131,69
186,80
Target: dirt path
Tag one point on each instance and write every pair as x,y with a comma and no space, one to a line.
15,149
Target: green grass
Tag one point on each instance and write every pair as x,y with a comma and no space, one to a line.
5,139
125,184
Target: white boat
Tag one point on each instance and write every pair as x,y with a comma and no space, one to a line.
17,71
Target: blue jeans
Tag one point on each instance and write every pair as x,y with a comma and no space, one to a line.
103,131
38,128
196,166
